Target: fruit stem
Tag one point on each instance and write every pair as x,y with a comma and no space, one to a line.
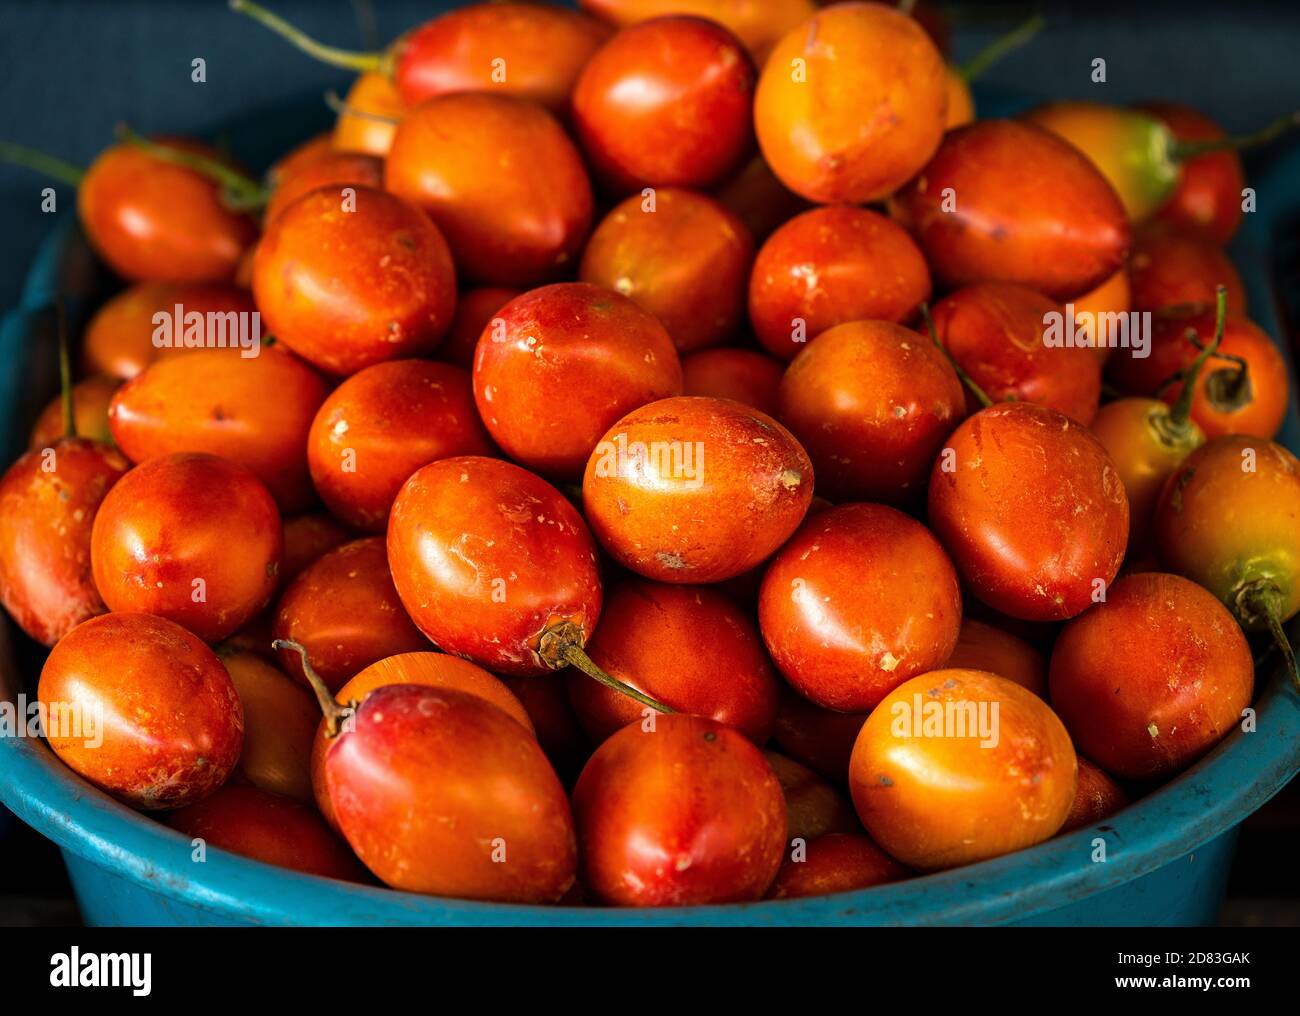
1181,151
561,644
336,714
966,379
1182,408
1261,600
239,193
340,107
47,165
348,59
1284,647
1001,47
65,372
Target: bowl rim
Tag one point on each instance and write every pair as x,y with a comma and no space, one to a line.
1206,801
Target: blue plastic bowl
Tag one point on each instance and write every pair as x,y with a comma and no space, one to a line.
1167,856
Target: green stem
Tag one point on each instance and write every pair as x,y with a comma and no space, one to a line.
239,193
340,107
47,165
1000,47
965,378
348,59
336,714
65,373
561,644
1182,409
1261,601
1181,151
1284,647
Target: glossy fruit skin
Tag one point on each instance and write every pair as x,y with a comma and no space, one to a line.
1146,449
872,402
330,169
345,612
434,670
168,523
1098,797
255,411
1128,146
685,259
528,50
1153,678
172,722
90,399
268,827
474,312
1262,416
861,599
486,557
1257,410
808,115
743,375
688,647
821,739
429,669
306,538
757,25
1033,528
561,364
998,332
742,504
372,92
1114,296
156,221
1207,196
298,158
430,781
666,103
813,807
380,426
1061,230
46,583
829,266
688,813
981,646
502,181
280,721
1228,529
347,289
1170,267
835,863
119,339
936,802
